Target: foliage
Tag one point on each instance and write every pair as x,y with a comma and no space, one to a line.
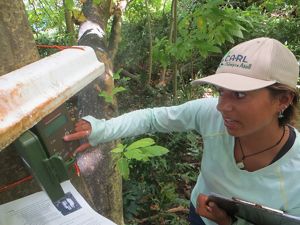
203,29
280,21
47,21
163,183
140,150
108,97
69,4
206,29
96,2
45,16
78,15
137,10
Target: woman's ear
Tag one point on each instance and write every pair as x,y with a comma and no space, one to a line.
285,100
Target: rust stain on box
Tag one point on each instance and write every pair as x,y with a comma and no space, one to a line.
30,93
9,134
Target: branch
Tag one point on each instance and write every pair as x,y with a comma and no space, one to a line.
173,210
128,74
36,31
115,36
178,209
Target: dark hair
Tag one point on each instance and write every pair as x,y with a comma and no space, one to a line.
290,113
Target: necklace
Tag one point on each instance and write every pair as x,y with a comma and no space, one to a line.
241,164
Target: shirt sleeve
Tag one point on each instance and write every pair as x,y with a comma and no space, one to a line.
294,212
161,119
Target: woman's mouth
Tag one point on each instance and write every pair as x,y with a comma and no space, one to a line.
230,123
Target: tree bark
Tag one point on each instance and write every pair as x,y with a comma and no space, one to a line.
97,165
174,38
150,61
17,46
115,34
69,25
17,49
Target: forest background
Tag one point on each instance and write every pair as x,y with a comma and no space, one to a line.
165,44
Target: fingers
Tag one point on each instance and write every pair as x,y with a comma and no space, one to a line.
77,135
82,148
219,215
202,208
82,125
214,209
211,210
82,131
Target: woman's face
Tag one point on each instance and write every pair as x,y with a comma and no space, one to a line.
247,113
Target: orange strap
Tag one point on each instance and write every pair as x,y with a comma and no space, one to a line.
8,186
60,47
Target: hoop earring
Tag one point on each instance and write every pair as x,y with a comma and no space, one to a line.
280,115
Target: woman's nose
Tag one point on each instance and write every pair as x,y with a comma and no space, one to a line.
224,104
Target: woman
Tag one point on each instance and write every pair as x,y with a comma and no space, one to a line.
249,147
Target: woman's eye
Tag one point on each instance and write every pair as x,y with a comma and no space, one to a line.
240,94
220,91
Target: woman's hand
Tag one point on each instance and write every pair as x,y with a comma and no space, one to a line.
211,211
82,130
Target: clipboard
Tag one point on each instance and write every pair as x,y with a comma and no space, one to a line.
252,212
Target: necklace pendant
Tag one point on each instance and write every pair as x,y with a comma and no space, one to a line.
240,165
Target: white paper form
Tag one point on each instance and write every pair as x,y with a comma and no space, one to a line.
37,209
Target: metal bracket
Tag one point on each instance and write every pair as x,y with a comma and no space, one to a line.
49,172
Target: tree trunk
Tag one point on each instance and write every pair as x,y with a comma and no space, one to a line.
115,34
174,37
97,165
69,25
17,49
17,46
149,77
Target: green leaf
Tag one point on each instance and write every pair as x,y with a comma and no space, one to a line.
141,143
164,60
117,90
78,15
238,33
69,4
214,49
96,2
227,36
206,47
155,150
135,154
123,168
120,148
116,75
107,98
241,27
